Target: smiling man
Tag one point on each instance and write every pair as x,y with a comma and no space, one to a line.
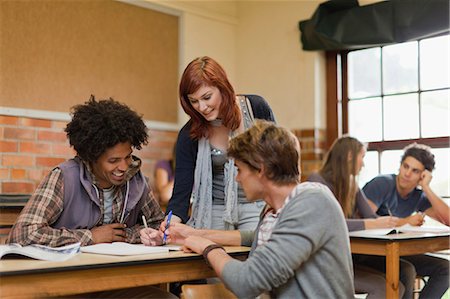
400,196
101,194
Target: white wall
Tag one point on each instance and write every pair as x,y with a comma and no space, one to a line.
258,44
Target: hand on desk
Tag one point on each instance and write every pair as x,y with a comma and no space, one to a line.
196,244
416,219
151,237
381,222
107,233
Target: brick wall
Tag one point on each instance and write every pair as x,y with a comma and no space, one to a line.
313,149
30,148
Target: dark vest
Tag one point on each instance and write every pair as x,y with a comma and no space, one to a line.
81,203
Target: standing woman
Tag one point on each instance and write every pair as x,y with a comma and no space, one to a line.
339,171
203,172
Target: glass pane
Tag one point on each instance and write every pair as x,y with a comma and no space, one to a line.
370,169
400,68
401,117
435,107
440,183
364,121
434,62
390,161
364,73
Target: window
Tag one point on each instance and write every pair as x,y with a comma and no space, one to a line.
392,96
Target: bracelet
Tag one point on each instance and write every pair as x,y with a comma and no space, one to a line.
208,250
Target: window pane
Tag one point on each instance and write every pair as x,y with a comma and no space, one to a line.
434,62
390,161
370,169
364,73
364,120
435,107
401,117
400,68
441,174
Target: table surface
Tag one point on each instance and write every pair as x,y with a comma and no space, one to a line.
27,278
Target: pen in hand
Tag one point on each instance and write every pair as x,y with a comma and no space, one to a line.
145,221
169,216
390,214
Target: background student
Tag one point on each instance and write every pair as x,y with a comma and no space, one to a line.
342,164
405,194
164,177
294,252
101,194
203,172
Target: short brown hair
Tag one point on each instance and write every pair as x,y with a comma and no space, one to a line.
272,146
421,153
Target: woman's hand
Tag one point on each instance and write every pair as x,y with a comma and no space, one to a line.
151,237
381,222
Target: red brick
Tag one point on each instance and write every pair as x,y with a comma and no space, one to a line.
8,146
37,174
8,120
63,150
34,122
59,125
18,174
35,148
49,162
17,187
4,173
2,133
24,134
52,136
17,160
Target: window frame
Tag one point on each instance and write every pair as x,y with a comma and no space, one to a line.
337,108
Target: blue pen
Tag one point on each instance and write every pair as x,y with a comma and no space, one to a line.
169,216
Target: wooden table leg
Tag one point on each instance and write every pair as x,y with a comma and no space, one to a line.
392,270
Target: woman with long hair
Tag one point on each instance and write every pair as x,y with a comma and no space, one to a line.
339,172
203,173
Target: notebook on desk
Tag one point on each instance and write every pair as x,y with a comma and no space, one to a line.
122,248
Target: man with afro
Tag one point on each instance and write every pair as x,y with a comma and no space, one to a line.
101,194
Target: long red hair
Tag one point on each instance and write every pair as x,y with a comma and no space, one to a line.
205,71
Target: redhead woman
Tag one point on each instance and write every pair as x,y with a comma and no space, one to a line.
342,164
203,173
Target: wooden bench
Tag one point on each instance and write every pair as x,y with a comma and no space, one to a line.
10,207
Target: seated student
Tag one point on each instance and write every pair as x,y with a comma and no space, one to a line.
301,246
164,177
399,195
342,164
101,194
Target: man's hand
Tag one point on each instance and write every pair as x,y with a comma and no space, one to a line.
151,237
425,178
178,232
108,233
196,244
416,219
173,220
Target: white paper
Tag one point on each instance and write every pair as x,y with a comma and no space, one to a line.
41,252
122,248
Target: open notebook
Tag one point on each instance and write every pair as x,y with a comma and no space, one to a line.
122,248
402,229
40,252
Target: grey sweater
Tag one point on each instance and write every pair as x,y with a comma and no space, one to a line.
307,255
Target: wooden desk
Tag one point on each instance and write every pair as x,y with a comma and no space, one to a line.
394,246
25,278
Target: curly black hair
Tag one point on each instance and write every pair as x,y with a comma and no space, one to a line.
99,125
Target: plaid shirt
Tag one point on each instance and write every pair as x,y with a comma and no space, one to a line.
33,226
